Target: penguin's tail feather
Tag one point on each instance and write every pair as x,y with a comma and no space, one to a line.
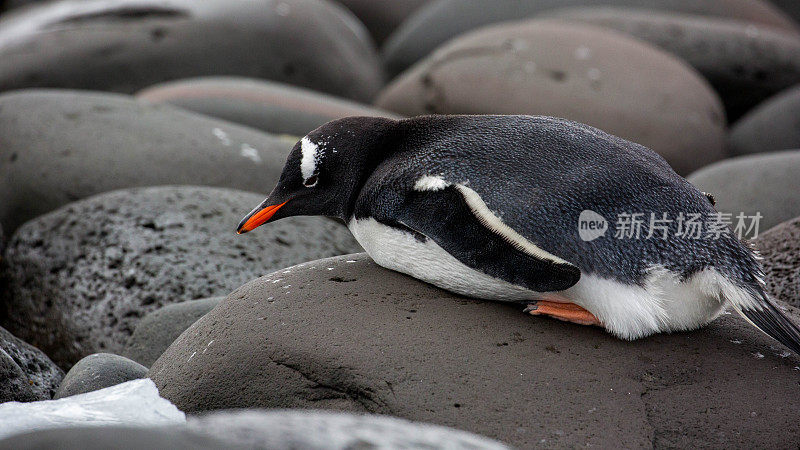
765,316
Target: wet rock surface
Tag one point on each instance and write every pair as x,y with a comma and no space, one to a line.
358,337
82,277
26,374
434,24
159,329
268,106
780,248
765,184
578,72
126,46
60,146
773,125
99,371
746,63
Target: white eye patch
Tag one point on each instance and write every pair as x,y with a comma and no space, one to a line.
310,158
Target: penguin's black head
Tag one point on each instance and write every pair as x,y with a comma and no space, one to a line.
324,171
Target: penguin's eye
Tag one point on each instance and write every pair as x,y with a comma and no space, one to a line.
311,181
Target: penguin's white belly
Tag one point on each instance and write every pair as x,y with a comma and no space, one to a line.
401,251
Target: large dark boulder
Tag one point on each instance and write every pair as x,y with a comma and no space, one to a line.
773,125
81,277
746,63
124,46
583,73
763,184
159,329
26,374
358,337
268,106
433,24
99,371
60,146
780,249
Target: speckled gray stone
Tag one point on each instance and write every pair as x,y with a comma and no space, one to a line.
60,146
773,125
780,248
99,371
745,62
83,276
358,337
579,72
26,374
268,106
116,46
439,21
159,329
765,183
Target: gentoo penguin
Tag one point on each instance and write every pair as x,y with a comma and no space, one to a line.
489,207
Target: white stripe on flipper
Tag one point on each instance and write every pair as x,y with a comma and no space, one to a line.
308,162
487,217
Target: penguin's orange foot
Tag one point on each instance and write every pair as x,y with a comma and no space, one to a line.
568,312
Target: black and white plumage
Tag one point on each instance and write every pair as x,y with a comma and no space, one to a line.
488,207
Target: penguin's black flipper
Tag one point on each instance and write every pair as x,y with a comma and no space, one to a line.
460,222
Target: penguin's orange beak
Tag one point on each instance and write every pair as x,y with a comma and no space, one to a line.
258,217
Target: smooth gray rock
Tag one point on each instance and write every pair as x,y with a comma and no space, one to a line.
272,107
780,249
359,337
773,125
765,184
746,63
381,17
124,46
322,430
83,276
253,429
26,374
583,73
434,24
99,371
159,329
60,146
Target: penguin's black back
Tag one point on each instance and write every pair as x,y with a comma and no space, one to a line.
539,173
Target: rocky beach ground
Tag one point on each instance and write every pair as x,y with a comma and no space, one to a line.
135,134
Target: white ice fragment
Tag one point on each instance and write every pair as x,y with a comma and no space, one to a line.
251,153
758,355
583,52
135,403
283,9
222,136
736,341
